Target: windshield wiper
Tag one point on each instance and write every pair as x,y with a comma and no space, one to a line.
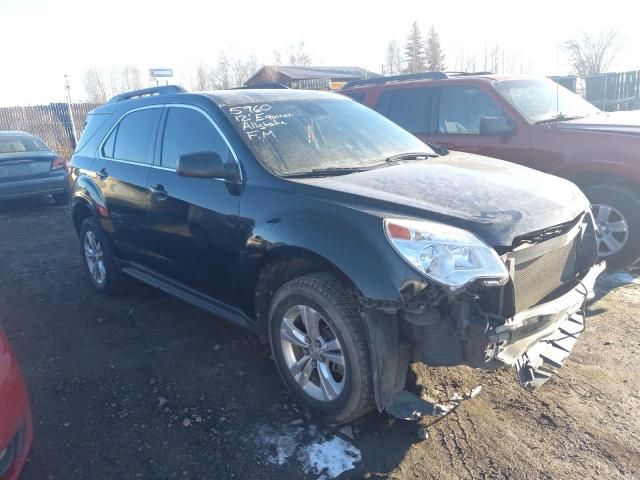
559,118
410,156
325,172
331,171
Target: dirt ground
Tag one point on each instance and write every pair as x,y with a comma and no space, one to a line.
145,386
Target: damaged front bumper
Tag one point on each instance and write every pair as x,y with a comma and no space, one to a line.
537,341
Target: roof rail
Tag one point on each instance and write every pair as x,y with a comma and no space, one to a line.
396,78
260,86
163,90
467,74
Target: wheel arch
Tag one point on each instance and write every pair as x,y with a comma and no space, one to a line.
80,211
600,177
281,265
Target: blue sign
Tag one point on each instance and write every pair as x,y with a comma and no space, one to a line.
161,72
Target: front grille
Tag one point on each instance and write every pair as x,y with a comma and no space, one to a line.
536,279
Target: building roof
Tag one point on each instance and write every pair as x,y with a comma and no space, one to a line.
295,72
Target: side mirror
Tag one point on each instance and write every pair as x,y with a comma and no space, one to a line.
496,126
205,165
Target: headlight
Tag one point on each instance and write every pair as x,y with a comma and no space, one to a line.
448,255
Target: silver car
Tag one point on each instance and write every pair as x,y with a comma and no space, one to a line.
28,168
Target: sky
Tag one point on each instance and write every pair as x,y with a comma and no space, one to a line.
48,39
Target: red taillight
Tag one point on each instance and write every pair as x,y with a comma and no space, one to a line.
57,163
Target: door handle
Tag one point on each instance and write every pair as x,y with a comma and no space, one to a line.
102,173
158,192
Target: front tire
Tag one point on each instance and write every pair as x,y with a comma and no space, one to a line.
617,212
320,347
99,261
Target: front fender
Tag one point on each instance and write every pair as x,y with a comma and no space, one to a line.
350,239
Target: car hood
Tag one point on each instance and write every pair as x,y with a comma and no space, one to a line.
612,122
497,200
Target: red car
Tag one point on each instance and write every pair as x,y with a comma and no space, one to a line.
15,415
533,122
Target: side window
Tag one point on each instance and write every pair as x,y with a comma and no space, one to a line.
462,107
107,149
189,131
408,107
133,138
357,96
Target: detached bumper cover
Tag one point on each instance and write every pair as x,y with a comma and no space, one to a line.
539,340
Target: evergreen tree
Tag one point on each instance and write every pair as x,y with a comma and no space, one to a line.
434,52
414,51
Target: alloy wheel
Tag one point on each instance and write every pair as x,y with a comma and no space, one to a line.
613,229
313,353
94,256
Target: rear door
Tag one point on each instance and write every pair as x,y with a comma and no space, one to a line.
458,110
409,107
123,165
193,222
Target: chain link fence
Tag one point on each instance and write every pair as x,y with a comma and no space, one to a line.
50,123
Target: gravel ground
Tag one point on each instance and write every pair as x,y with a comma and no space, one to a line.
145,386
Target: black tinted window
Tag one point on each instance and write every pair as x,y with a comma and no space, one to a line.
461,109
408,107
189,131
357,96
135,136
107,149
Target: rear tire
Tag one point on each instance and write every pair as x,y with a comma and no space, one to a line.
61,198
616,208
333,379
99,260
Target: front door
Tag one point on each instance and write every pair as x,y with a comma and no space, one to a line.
122,168
458,110
193,221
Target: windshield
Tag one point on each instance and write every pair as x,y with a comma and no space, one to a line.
20,144
543,99
297,136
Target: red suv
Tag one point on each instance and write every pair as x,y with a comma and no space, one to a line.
533,122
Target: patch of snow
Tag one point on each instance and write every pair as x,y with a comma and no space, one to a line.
329,458
284,441
319,452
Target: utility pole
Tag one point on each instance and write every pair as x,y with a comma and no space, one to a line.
67,87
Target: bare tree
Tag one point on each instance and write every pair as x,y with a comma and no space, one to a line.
223,73
131,78
204,77
414,52
393,60
434,52
96,86
298,55
277,57
591,54
241,70
100,85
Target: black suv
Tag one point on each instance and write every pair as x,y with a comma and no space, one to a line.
349,244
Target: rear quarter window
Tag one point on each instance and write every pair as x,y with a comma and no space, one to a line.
92,123
408,107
